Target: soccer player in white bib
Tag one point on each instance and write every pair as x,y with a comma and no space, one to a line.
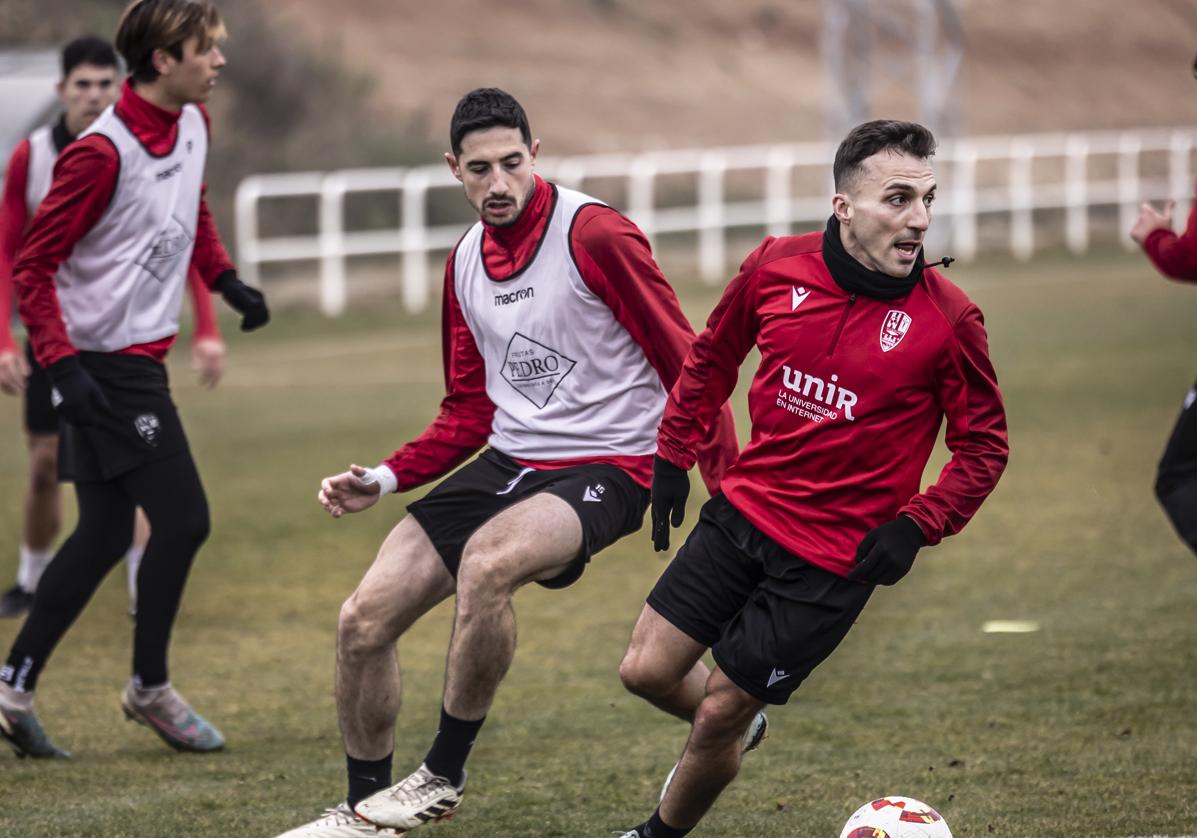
90,83
561,340
100,280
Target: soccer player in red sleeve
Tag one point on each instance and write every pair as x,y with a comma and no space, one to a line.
100,281
865,352
89,84
561,340
1176,258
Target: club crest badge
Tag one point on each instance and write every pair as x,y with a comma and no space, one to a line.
148,427
894,328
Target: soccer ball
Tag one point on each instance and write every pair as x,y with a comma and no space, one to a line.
896,817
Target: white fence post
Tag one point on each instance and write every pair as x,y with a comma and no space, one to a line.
1076,193
415,240
332,245
778,206
1129,193
964,202
642,176
245,211
1022,197
711,243
1180,176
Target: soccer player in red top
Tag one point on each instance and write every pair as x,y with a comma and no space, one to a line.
865,352
100,280
1176,258
561,340
89,84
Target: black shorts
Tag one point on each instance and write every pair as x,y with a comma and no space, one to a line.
40,417
609,503
141,427
768,617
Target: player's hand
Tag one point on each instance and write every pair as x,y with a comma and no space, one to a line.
14,372
207,358
886,552
1150,219
75,394
349,491
671,487
247,301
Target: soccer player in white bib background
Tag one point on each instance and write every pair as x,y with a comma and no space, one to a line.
100,280
90,83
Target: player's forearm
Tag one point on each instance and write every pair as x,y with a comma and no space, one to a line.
1174,256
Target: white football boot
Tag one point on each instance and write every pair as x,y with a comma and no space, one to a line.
340,822
421,798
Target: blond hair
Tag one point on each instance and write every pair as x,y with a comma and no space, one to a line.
149,25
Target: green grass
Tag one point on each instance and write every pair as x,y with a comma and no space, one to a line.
1082,728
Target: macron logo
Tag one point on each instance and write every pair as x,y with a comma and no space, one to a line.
777,675
593,494
797,297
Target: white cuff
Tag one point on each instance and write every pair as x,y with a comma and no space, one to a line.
384,477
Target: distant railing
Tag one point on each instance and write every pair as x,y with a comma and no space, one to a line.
980,176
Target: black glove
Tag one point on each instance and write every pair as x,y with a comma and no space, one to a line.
671,486
75,394
886,552
246,301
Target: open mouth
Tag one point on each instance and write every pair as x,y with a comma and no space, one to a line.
907,249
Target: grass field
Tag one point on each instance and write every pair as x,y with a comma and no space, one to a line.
1082,728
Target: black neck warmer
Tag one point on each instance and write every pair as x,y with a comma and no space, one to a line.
61,136
855,278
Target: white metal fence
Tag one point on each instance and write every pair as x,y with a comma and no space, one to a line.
1006,176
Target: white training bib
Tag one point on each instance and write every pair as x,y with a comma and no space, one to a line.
566,378
40,172
123,283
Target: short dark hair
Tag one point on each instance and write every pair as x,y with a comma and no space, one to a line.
868,138
87,50
487,107
147,25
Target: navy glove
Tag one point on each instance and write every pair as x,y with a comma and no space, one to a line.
246,301
671,487
75,394
886,552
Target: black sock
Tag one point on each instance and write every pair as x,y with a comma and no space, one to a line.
367,776
20,671
654,827
451,747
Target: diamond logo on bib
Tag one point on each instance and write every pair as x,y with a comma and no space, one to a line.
534,369
166,250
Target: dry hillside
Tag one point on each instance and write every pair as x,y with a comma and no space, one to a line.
600,75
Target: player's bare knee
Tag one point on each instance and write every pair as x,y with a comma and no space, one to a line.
43,469
640,678
485,579
723,717
359,632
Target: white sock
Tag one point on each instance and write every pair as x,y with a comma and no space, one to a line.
132,565
33,564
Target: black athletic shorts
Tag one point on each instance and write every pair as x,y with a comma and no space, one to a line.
768,617
40,417
142,426
609,503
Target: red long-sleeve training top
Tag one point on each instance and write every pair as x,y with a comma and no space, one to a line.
85,176
846,404
1175,256
616,263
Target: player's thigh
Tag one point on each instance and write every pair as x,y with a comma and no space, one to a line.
660,649
405,581
532,540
